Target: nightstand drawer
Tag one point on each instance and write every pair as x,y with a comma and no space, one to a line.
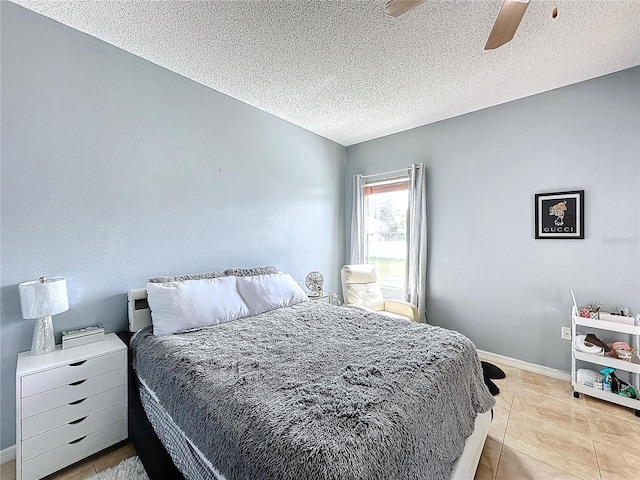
69,453
82,427
74,392
51,419
66,374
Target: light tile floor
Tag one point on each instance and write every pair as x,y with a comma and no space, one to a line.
539,432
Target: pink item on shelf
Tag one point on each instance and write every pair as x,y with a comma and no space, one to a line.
621,346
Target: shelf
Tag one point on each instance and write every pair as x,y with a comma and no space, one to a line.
602,361
604,325
608,361
608,396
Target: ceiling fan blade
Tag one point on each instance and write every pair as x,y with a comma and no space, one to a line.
395,8
507,23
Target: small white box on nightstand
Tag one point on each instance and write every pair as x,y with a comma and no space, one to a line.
82,336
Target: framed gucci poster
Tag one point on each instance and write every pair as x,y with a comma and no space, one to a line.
560,215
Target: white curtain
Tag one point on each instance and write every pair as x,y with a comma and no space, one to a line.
358,244
416,281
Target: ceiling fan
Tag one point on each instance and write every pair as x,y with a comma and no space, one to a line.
504,27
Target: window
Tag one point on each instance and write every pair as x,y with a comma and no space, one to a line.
385,230
389,230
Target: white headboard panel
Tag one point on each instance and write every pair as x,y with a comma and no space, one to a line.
139,311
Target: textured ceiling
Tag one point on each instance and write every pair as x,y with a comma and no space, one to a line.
348,72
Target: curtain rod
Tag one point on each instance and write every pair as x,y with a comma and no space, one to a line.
404,170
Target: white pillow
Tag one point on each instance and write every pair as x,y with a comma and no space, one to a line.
177,306
363,273
262,293
365,294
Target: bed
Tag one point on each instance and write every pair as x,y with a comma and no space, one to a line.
304,389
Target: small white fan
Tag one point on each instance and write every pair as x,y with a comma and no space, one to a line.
314,282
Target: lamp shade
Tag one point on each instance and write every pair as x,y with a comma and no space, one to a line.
43,297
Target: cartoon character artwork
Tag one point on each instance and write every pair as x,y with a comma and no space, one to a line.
558,210
559,215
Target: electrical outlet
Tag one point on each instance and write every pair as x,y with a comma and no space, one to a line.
565,333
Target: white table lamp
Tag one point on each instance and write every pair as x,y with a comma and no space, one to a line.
40,299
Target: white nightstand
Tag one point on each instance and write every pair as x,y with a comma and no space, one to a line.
70,404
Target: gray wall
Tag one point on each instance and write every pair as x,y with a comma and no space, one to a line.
488,277
115,170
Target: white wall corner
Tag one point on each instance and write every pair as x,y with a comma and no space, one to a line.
530,367
7,454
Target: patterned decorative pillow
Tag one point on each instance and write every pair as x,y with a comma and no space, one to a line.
250,272
188,276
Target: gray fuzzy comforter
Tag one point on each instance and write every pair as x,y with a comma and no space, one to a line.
316,391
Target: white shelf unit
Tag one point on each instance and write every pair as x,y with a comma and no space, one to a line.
631,367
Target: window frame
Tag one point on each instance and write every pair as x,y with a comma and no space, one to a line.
396,183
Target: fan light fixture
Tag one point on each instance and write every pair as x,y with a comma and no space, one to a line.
395,8
507,23
504,28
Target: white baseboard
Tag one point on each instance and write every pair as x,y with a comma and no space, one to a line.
530,367
8,454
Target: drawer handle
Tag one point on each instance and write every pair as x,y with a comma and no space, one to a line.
78,401
77,364
78,440
79,382
77,421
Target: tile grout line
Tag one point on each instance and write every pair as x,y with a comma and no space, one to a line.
93,464
595,450
495,474
504,435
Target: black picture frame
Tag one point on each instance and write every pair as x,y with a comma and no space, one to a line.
559,215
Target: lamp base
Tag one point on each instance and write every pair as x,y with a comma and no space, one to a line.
43,337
